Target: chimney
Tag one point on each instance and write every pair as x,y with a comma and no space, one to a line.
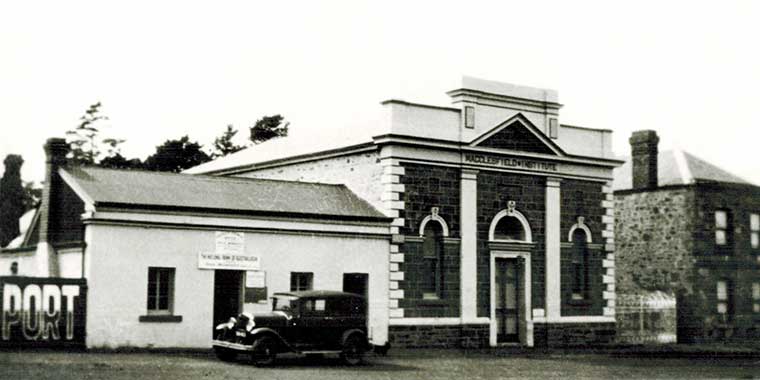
56,150
644,159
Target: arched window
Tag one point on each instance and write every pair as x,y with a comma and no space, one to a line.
511,226
580,279
432,257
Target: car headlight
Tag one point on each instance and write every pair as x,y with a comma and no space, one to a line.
251,324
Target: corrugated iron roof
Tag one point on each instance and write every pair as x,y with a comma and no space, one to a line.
677,167
133,188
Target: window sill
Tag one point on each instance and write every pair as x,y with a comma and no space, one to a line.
161,318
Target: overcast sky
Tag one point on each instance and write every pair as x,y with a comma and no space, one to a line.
690,70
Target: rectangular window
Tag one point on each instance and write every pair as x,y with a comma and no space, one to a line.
720,227
255,287
580,265
756,297
160,291
724,297
432,271
724,231
301,281
754,228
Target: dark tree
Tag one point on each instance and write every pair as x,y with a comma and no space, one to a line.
268,127
11,199
117,161
176,155
223,144
86,144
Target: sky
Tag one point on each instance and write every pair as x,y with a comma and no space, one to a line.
163,69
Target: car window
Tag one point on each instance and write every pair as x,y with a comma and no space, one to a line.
314,306
284,303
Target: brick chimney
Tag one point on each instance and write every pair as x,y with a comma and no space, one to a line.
56,150
644,159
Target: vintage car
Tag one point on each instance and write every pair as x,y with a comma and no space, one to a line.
304,322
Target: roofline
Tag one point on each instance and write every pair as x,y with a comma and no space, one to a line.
204,175
461,146
404,102
30,228
502,97
18,250
649,190
586,128
698,183
370,146
213,210
341,151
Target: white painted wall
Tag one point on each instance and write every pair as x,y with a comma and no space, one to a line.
359,172
415,120
585,142
70,263
28,264
443,124
120,256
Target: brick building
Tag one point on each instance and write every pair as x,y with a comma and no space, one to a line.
502,225
690,228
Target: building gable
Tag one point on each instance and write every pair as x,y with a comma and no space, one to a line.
518,133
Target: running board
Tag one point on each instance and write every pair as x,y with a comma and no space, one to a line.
243,347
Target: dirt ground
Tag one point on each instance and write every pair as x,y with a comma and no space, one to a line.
430,364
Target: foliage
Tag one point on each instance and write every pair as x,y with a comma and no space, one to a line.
85,142
223,144
117,161
267,128
11,199
176,155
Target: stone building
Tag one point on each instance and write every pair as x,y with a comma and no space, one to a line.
687,227
502,228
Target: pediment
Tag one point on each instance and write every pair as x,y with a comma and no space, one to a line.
518,134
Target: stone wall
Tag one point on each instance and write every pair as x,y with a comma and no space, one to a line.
584,199
413,267
360,172
736,262
653,241
666,241
573,334
453,336
425,187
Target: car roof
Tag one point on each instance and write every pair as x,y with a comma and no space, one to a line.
319,293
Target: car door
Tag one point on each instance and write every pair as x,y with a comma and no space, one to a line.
310,330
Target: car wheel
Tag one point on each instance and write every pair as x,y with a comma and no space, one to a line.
353,350
263,351
224,354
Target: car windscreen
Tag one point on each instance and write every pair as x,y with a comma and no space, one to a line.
284,303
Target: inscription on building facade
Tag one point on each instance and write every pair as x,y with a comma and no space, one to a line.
510,162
